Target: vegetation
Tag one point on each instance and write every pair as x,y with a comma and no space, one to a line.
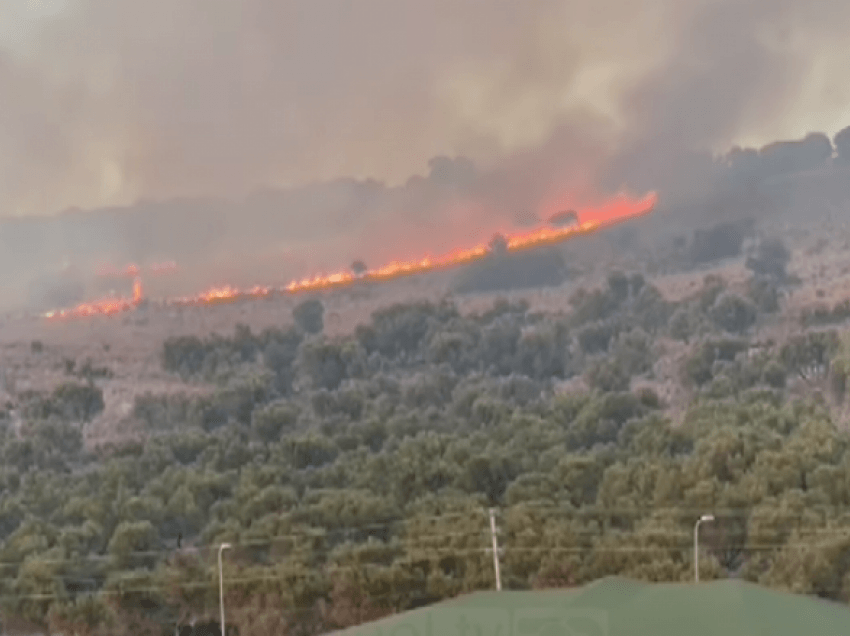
720,241
502,270
352,476
823,315
770,259
842,145
309,316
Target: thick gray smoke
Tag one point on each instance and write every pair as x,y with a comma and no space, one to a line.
737,65
553,103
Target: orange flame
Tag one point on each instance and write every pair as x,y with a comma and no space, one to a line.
137,291
616,211
104,307
226,293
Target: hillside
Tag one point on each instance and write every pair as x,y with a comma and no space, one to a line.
349,444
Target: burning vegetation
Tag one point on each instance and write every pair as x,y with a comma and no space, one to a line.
616,211
103,307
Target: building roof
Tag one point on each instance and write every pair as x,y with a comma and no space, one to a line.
621,607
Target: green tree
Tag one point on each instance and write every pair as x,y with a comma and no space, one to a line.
733,313
84,616
270,421
129,538
309,316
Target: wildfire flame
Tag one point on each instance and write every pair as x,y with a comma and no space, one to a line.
104,307
619,210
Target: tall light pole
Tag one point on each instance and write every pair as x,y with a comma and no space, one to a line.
696,543
222,548
495,549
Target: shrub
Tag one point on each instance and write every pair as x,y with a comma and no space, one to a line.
618,283
682,324
313,451
764,294
721,241
401,328
774,374
322,364
733,313
502,271
699,365
651,311
595,336
184,354
309,316
594,305
770,259
269,422
823,315
79,402
607,375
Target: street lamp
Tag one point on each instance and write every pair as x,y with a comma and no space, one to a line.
696,543
222,548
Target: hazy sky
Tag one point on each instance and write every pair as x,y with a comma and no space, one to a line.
106,101
20,20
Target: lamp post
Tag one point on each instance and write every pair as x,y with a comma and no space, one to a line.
696,543
222,548
495,549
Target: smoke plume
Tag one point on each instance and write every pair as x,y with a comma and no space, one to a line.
291,129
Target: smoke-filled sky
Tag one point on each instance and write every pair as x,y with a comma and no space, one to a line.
107,101
302,134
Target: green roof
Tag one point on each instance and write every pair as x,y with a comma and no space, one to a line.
621,607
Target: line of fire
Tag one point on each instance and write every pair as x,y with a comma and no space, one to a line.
560,227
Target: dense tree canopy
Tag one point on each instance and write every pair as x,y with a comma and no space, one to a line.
353,475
